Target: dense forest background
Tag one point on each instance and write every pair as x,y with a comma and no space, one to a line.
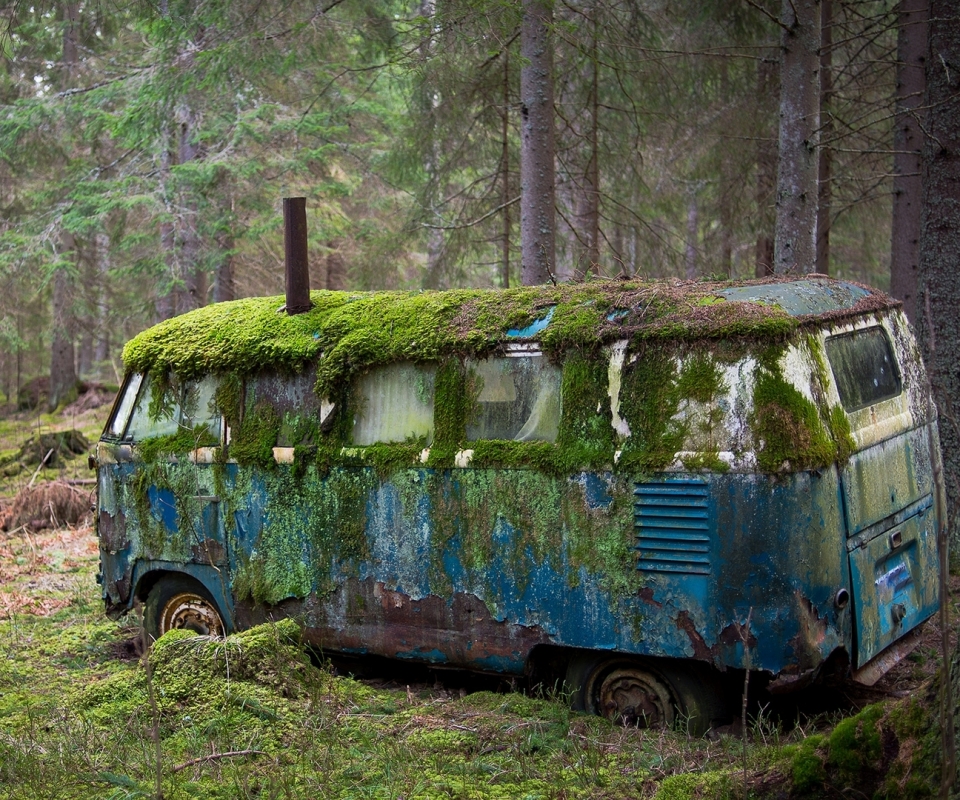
145,148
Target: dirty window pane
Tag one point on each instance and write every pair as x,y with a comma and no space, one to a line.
517,399
118,423
395,404
142,425
864,368
293,398
198,406
189,407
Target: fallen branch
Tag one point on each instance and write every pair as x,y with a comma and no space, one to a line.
216,756
40,467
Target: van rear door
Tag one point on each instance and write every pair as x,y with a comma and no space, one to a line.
887,491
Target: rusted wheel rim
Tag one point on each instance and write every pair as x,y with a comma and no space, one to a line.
190,611
633,696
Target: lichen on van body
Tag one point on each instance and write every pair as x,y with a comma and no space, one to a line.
787,427
661,388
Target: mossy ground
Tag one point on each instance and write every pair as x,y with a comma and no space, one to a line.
18,427
81,716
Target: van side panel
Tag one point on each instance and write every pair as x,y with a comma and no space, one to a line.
460,567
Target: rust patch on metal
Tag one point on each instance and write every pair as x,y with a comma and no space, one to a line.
700,649
733,635
366,617
646,594
209,552
112,530
807,644
120,589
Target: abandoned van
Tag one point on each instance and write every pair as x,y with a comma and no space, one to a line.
634,485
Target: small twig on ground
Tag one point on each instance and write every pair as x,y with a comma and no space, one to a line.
40,467
216,756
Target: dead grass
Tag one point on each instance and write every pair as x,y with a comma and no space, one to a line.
47,505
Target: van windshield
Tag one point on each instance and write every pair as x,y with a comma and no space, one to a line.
191,406
864,368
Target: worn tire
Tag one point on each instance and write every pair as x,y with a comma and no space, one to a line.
180,602
644,692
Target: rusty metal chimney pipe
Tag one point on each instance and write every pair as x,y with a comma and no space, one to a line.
295,255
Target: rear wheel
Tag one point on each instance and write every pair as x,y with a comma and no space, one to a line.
177,602
644,694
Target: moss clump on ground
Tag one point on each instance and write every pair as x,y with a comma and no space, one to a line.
887,752
270,655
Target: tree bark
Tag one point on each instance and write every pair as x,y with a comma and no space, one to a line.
825,194
224,288
194,276
537,151
63,370
907,141
938,293
588,197
795,240
505,173
101,349
692,243
939,278
767,101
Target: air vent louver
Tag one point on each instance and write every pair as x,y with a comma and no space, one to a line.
674,527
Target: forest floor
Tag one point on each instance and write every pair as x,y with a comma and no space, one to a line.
83,713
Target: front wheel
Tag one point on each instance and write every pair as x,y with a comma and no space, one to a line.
177,602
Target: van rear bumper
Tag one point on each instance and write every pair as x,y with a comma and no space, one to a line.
885,660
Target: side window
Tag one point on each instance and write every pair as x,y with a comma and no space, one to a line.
517,398
864,368
394,403
186,407
118,422
294,400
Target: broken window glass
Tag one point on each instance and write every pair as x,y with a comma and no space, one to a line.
517,398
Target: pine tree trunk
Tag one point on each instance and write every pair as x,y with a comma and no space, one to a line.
194,276
939,278
101,349
537,170
223,280
588,198
63,371
692,243
938,291
505,173
767,101
907,141
825,195
795,239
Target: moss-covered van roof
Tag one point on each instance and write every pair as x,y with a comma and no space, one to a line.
346,332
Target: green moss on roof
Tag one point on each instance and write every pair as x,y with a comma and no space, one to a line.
347,332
